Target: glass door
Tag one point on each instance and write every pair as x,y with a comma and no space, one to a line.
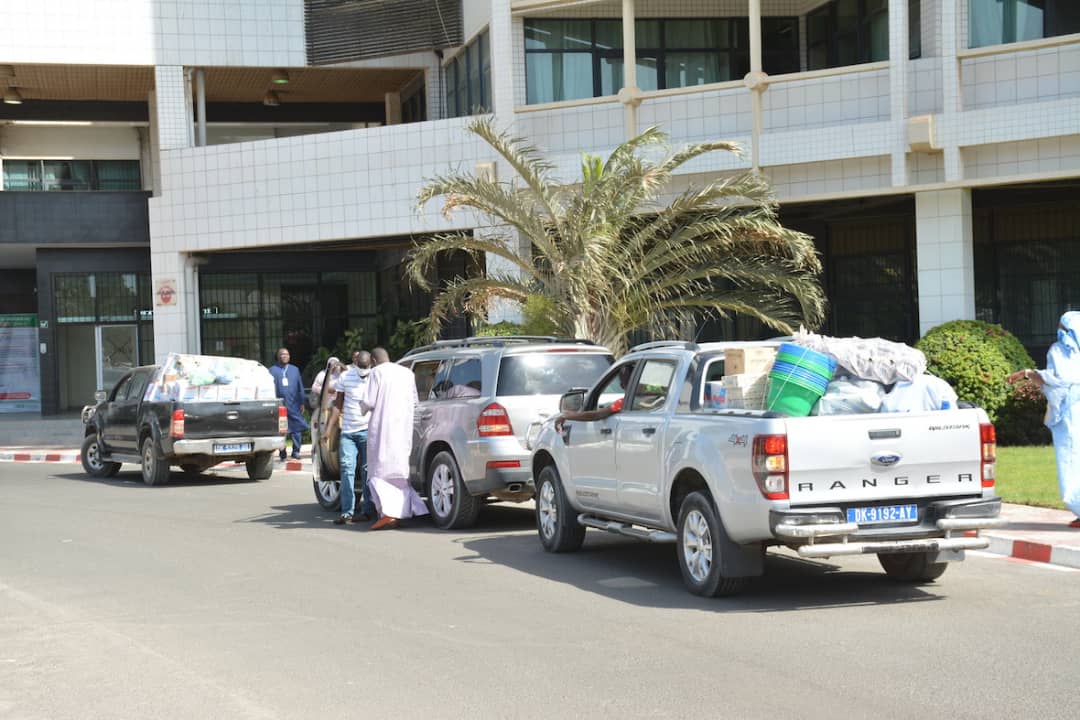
116,353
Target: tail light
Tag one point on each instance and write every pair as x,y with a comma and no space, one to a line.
494,421
988,439
770,465
176,429
282,420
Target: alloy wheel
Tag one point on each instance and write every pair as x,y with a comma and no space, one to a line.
549,514
697,546
442,490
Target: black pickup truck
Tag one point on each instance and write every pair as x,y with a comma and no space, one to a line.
181,413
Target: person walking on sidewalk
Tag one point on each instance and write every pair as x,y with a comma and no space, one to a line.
390,396
1060,383
352,447
289,386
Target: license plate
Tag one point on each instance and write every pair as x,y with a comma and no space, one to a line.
883,514
223,448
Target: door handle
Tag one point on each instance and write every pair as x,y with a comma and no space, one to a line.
648,431
605,431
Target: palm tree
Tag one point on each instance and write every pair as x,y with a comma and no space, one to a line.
611,257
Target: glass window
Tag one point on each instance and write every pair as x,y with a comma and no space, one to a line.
424,373
614,387
992,22
120,392
558,35
780,45
442,381
71,175
75,297
551,77
914,28
22,174
549,373
652,385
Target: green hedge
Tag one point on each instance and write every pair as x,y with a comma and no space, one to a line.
975,358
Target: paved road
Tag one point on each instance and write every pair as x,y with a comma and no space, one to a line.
222,598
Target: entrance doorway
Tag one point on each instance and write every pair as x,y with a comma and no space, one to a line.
116,353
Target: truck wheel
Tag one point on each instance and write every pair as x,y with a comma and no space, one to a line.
260,467
911,567
328,493
449,501
556,521
699,549
90,455
155,470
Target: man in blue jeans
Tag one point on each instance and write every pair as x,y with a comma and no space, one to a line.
353,444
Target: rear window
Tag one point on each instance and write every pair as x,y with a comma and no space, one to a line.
550,373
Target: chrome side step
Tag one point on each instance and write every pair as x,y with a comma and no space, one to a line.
621,528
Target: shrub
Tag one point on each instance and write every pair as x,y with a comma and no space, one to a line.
1021,420
975,358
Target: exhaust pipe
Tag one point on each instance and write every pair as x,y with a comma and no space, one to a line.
515,487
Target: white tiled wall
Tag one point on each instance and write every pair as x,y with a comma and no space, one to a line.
944,248
1031,76
819,102
173,107
803,180
143,32
924,86
713,115
1029,157
926,168
589,128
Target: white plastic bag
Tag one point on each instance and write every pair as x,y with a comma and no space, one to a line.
926,392
850,396
877,359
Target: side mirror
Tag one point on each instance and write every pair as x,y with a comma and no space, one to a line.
572,401
100,396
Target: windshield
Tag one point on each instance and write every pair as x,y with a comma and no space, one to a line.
550,373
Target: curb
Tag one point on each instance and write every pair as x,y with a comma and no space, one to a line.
1064,555
62,456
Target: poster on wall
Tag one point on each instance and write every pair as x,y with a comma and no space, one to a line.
20,383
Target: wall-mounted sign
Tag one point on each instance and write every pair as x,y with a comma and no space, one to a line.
164,292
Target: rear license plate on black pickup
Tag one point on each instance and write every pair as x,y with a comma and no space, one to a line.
226,448
883,514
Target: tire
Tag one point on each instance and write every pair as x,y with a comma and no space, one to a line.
448,499
155,471
327,492
556,520
699,538
260,467
90,455
911,567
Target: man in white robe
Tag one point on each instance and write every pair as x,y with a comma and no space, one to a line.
391,399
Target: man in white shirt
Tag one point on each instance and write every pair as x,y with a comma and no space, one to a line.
351,388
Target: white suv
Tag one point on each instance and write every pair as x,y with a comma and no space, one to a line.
478,398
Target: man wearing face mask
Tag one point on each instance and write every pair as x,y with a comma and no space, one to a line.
352,454
1060,383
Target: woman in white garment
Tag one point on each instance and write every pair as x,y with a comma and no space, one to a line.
1060,382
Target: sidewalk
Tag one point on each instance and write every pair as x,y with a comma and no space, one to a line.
1033,533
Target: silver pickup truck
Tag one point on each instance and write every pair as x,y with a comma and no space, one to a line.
912,488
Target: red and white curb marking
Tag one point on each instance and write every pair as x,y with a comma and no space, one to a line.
1064,555
56,456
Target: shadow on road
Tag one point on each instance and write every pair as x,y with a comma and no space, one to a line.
648,575
177,479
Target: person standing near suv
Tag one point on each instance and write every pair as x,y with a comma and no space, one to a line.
390,397
289,386
352,450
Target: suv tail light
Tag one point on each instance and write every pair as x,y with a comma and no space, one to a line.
176,429
282,420
988,440
769,460
494,421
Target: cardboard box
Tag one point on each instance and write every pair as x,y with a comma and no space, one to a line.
747,382
748,360
715,395
737,399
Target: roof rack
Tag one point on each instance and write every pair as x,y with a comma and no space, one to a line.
683,344
496,341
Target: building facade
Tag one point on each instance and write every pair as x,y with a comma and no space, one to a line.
241,175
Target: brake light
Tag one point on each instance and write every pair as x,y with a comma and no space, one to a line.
769,460
494,421
282,420
988,457
176,429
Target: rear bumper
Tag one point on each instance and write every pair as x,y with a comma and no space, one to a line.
499,478
496,464
205,446
942,527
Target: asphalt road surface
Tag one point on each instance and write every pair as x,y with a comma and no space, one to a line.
223,598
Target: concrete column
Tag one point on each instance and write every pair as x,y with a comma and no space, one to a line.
950,85
630,94
502,39
172,314
945,257
171,108
393,108
756,82
898,88
200,104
